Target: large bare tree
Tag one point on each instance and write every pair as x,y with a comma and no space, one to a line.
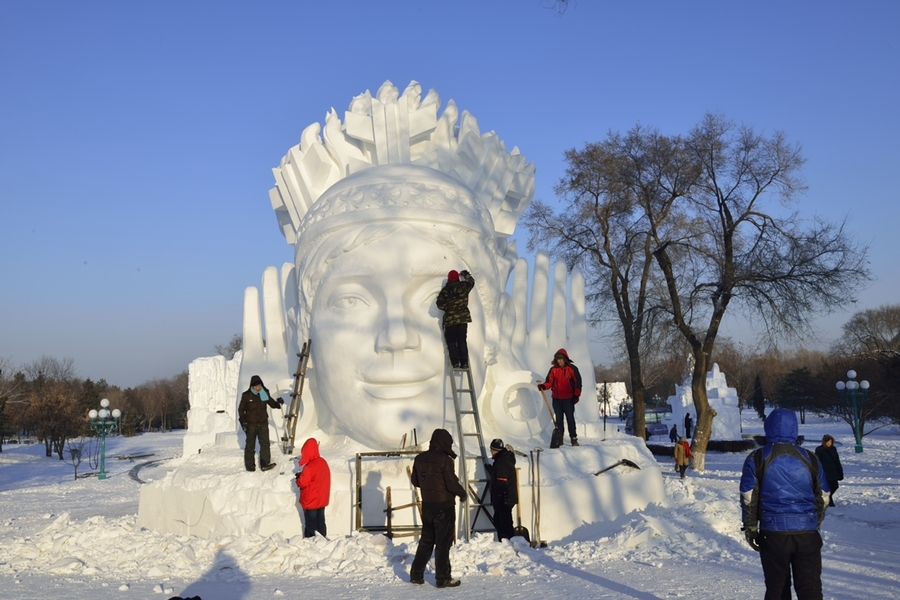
731,247
604,230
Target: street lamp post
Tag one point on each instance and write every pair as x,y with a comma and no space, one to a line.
854,393
103,421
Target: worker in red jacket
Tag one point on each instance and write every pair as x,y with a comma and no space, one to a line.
314,482
564,381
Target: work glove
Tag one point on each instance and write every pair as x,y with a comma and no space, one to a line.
465,274
751,534
281,401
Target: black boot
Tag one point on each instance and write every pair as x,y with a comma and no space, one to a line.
449,583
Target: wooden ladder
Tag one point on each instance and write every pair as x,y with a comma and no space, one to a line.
292,414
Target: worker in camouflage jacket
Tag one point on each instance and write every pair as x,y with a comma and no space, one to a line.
453,299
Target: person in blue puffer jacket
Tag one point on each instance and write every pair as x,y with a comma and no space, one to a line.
783,498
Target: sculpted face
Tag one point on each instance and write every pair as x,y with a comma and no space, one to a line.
378,350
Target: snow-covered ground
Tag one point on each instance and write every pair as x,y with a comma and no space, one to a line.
77,539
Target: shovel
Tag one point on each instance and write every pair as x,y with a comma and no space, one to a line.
519,529
556,436
624,461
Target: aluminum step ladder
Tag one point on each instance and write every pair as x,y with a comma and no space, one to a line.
292,414
468,428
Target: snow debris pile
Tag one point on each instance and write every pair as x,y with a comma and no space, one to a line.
118,548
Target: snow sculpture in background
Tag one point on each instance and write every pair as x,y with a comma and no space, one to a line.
379,208
722,399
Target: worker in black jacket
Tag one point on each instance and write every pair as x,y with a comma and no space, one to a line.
504,493
433,474
254,420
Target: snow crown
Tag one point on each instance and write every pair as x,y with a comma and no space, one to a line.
401,129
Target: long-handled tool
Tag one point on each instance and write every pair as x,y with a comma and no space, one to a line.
624,462
519,529
556,436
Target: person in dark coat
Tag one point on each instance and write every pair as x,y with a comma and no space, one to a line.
564,380
688,425
831,464
433,474
314,483
673,434
453,299
504,492
254,420
783,491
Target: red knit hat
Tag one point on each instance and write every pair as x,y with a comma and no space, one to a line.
453,276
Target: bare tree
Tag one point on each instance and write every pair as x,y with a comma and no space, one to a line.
54,414
12,389
48,368
872,333
228,350
604,231
727,247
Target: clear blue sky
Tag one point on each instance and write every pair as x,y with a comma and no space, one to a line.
137,138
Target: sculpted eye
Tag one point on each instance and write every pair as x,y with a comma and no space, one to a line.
349,301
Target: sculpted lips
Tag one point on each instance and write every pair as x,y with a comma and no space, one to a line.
393,385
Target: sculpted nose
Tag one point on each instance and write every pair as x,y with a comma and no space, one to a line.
395,333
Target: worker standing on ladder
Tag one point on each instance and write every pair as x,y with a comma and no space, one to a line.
454,301
433,473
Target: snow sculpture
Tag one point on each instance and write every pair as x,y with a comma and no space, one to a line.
379,208
212,387
722,399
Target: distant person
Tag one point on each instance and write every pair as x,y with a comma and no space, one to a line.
254,420
688,425
682,456
314,482
504,493
453,299
673,434
433,473
831,464
783,490
564,381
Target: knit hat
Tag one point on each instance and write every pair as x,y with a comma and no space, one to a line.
453,276
497,444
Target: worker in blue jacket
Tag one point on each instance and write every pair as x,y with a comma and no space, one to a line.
783,499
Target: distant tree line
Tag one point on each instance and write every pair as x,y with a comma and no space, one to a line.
802,380
47,401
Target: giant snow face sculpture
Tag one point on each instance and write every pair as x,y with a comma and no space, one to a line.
369,280
379,207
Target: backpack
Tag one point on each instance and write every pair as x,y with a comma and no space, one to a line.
808,458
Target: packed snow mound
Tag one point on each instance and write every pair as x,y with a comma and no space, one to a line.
210,495
120,549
